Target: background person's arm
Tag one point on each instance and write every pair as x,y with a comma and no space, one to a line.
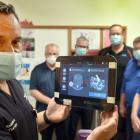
34,83
122,107
134,115
39,96
108,128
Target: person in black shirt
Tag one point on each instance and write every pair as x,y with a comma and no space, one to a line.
123,54
18,120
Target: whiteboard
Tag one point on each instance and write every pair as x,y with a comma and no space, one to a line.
43,37
39,38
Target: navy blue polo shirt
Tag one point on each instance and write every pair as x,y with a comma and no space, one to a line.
43,79
131,81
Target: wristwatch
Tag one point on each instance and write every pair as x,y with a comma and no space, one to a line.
47,121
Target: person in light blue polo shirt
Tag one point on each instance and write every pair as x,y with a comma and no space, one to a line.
130,84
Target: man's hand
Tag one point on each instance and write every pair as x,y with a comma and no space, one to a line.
109,120
57,113
108,128
135,123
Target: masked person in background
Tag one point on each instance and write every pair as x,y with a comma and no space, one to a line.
81,49
123,54
82,46
42,88
131,83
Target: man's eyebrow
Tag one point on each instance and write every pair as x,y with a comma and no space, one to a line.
1,36
18,38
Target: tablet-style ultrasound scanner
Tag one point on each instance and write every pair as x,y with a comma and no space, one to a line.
86,81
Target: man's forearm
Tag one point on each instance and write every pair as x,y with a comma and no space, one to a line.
135,105
40,97
98,134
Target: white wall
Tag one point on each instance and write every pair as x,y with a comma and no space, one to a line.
81,12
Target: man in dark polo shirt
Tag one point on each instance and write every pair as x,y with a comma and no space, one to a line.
122,53
42,87
86,116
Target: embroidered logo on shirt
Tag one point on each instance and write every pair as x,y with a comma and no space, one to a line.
108,54
12,126
124,55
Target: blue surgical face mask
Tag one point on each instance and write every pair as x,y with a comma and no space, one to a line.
10,65
80,51
136,54
115,39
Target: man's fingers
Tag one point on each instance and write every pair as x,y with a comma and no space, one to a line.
115,113
137,125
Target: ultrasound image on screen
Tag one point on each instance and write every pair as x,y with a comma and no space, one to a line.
77,82
97,83
85,80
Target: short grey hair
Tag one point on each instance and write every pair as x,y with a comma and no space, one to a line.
82,38
51,45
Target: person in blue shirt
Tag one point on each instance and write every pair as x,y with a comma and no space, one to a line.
130,84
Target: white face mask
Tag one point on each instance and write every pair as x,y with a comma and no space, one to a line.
10,65
51,60
136,54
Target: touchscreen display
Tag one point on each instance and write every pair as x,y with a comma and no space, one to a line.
84,80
